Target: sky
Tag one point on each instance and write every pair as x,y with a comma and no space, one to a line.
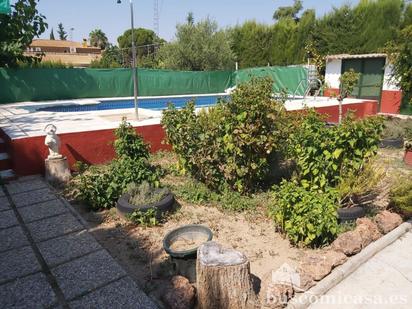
85,15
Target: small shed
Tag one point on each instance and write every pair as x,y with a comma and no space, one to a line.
375,83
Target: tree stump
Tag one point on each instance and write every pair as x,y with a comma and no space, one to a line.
223,278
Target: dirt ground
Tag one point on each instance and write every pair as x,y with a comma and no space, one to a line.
140,250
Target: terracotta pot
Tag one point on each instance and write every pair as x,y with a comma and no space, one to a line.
407,158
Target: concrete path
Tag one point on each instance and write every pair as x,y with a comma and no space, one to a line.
48,259
384,281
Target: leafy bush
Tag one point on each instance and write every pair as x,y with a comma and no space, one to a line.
308,217
401,196
146,219
145,193
397,128
232,143
128,144
100,188
322,154
234,201
360,187
194,192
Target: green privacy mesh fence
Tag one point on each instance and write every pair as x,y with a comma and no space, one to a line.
285,78
5,7
17,85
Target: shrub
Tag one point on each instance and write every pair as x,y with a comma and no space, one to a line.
232,143
360,187
100,188
322,154
145,193
308,217
146,219
194,192
401,196
128,143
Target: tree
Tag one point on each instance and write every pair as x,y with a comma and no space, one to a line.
98,39
147,43
198,47
190,18
17,31
52,35
348,81
111,58
288,11
60,31
400,54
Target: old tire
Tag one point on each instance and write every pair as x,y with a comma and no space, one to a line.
124,208
350,214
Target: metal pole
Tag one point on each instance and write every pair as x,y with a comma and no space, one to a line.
134,64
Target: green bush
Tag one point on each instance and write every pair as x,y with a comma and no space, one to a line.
128,144
401,196
194,192
100,188
308,217
230,144
322,154
145,193
359,188
146,219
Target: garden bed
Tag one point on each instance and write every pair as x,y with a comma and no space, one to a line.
140,249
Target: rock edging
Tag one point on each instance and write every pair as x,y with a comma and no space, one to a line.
339,273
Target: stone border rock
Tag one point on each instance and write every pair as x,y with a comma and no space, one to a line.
339,273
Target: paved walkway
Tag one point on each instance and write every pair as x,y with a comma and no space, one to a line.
48,259
385,281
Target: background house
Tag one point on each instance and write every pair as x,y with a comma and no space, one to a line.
78,54
375,81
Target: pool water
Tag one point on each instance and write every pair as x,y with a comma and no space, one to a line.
147,103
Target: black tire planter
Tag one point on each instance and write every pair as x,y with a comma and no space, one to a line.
391,143
185,261
124,208
350,214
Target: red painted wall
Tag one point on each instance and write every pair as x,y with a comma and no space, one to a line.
391,101
362,110
94,147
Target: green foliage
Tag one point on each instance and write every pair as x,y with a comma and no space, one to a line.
111,58
288,11
323,154
198,46
232,143
397,128
99,39
308,217
100,188
128,143
145,193
360,187
194,192
400,53
44,65
52,34
17,30
234,201
348,81
145,219
401,196
61,32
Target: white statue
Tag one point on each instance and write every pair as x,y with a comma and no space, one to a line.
53,142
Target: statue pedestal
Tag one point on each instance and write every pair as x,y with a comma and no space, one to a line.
57,170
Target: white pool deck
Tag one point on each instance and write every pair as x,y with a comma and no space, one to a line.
21,120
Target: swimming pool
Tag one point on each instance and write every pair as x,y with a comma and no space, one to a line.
147,103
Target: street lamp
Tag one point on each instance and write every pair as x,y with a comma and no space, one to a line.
134,63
